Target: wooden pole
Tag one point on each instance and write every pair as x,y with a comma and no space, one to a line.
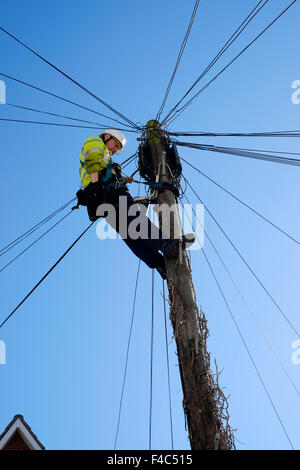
200,400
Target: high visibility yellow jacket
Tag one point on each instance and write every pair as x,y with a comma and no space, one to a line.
94,156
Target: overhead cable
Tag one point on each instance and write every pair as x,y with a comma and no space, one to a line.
151,364
250,269
22,121
69,78
246,347
241,153
244,300
230,41
242,202
28,232
268,151
127,354
168,366
35,241
249,353
178,59
237,134
129,159
127,350
60,98
180,110
44,277
51,114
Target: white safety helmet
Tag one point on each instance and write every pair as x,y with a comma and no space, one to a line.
116,134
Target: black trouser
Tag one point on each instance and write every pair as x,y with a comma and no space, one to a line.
145,247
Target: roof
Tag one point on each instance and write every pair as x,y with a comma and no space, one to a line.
20,429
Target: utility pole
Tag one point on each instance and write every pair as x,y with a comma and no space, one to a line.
203,401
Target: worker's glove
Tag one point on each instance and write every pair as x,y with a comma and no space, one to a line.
142,200
126,180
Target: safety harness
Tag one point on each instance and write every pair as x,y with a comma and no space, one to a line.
112,180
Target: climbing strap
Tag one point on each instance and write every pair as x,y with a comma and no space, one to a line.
163,186
108,173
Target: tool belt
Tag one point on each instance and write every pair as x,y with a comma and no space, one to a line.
106,190
108,180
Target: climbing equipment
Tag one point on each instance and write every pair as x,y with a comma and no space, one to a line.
162,186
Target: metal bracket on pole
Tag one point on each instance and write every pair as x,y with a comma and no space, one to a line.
163,163
180,250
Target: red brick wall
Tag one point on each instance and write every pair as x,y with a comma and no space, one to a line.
16,443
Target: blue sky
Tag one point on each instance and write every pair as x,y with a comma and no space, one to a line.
66,346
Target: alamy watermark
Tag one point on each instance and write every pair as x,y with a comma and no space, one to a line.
296,94
2,92
296,354
2,352
133,221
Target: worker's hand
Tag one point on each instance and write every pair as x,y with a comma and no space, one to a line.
142,200
126,180
94,177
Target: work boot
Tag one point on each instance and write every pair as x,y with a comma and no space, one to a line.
170,247
161,268
188,240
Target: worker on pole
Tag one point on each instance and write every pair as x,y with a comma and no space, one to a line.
102,182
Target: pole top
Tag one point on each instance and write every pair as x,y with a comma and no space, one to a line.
154,131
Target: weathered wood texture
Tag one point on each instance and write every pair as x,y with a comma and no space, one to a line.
200,392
